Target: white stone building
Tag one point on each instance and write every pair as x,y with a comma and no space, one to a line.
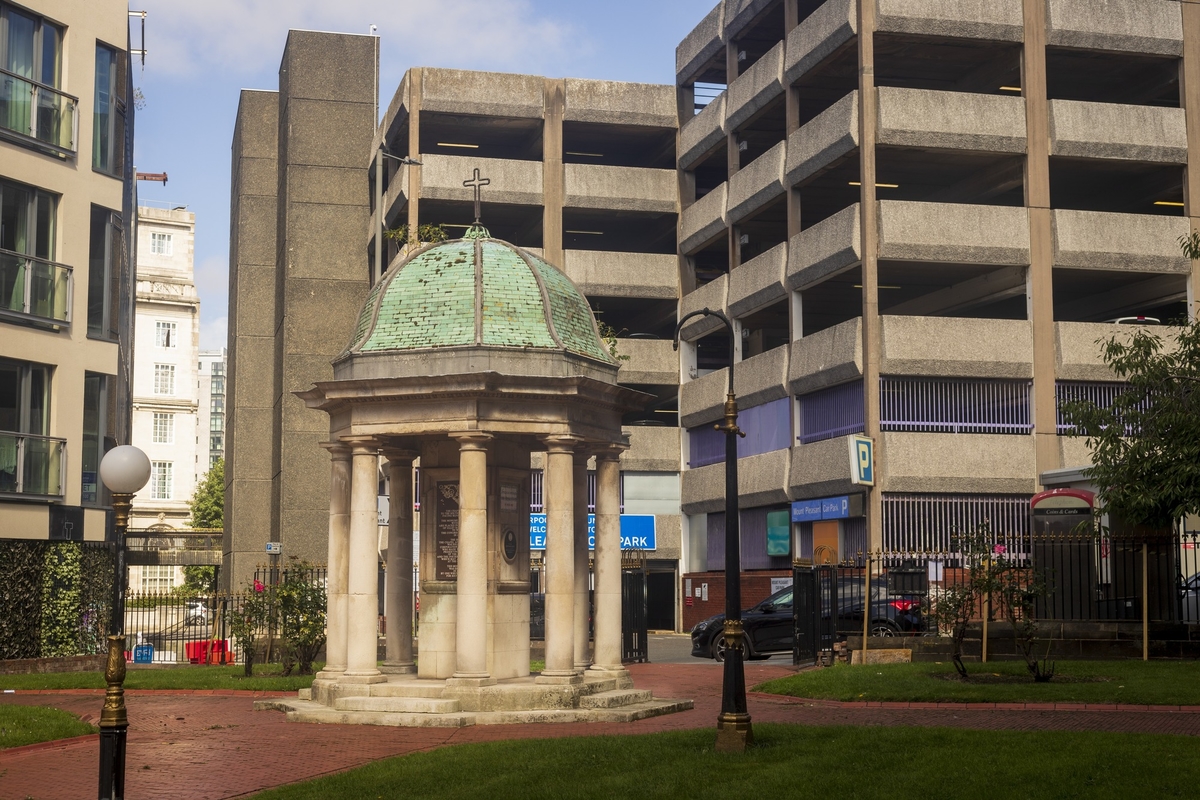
166,384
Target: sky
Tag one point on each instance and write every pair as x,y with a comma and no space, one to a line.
201,53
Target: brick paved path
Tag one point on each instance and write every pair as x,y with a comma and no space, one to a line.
210,745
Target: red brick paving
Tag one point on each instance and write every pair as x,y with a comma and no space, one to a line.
212,745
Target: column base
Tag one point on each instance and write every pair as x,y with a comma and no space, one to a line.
329,675
362,677
470,681
559,678
399,668
734,733
619,674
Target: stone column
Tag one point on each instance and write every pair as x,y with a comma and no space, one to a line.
608,564
558,498
337,574
398,602
471,617
362,608
582,587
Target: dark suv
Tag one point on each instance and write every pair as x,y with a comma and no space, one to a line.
769,627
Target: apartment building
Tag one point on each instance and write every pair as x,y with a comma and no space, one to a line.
921,216
166,385
66,261
581,172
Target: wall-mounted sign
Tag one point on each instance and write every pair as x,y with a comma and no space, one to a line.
508,497
841,507
445,543
779,534
862,461
274,548
510,545
638,532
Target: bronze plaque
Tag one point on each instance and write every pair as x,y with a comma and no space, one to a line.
445,544
510,545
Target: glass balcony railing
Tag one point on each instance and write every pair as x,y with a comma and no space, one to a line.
34,288
38,112
31,465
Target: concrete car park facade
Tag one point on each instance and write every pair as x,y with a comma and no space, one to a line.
920,216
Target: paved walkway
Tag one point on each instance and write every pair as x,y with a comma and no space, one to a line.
211,745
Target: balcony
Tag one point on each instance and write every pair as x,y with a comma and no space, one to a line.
1120,25
621,188
32,466
818,37
996,20
37,115
34,290
1110,130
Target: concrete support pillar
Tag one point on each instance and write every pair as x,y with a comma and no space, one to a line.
362,607
337,576
558,499
582,587
398,602
471,619
608,562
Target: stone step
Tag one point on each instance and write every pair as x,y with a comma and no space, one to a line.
398,705
598,685
614,698
651,708
408,689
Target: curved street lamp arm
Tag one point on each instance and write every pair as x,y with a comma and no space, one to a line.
708,312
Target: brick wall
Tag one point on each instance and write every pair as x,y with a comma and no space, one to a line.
26,666
756,586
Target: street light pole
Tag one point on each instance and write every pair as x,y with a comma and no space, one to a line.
124,470
734,732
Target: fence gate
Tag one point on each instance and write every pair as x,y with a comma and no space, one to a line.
806,615
634,602
825,580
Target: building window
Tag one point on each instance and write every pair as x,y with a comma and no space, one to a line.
104,273
216,442
218,384
158,578
931,523
30,283
108,128
830,413
954,405
213,459
164,428
99,417
30,462
31,55
164,334
216,422
768,427
217,404
160,243
164,379
161,480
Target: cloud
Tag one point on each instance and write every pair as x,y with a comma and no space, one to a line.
246,37
214,333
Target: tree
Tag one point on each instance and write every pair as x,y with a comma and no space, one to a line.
1145,445
302,607
208,502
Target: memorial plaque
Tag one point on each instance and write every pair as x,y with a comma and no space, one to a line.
508,497
510,544
445,545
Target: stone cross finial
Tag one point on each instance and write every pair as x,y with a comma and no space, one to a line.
477,183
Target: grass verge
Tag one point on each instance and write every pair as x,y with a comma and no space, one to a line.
267,678
1131,682
22,725
788,761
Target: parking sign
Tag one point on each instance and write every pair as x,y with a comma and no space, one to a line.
862,461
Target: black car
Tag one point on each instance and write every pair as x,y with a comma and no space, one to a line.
769,627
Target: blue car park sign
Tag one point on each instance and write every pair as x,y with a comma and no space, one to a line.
637,532
842,507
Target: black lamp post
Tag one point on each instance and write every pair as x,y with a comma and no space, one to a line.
733,723
124,470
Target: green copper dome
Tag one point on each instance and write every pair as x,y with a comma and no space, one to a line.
476,291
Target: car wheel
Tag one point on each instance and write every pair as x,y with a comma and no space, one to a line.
884,628
718,648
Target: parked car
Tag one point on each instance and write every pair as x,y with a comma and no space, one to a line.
1189,595
770,629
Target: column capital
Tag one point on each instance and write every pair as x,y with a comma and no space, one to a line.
362,445
337,449
396,455
472,440
610,452
561,443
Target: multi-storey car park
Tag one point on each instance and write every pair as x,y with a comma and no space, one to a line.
67,248
581,172
921,215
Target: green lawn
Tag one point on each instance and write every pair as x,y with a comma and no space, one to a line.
1135,682
789,761
21,725
267,677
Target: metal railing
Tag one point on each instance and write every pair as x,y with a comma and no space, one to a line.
830,413
174,547
951,405
34,288
917,523
32,465
1101,394
37,112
